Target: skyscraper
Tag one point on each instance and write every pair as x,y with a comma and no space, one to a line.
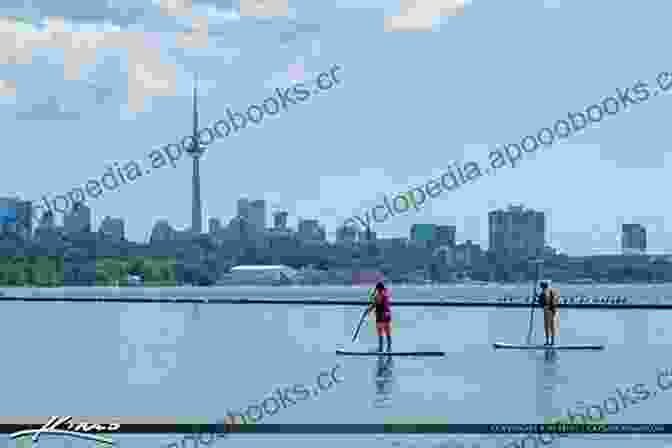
112,228
517,232
445,235
243,208
257,214
78,220
633,239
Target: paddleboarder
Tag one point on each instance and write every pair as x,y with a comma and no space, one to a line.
381,305
550,299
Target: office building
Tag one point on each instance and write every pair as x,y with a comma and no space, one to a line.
367,235
633,239
424,235
16,217
516,232
346,234
257,214
243,208
445,236
112,228
310,230
162,231
280,220
78,220
214,226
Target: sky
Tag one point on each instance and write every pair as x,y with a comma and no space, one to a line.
422,85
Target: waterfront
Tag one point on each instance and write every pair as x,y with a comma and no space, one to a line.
201,360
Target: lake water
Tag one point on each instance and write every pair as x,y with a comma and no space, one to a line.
204,360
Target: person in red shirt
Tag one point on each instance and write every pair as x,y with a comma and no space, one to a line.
381,305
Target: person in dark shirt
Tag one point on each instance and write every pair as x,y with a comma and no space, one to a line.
550,299
381,306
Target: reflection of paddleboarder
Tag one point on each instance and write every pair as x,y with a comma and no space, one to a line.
381,305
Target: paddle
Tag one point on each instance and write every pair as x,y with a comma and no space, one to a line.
534,297
361,321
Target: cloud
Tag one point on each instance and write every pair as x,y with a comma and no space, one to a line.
51,111
148,76
421,15
7,88
118,12
264,8
299,28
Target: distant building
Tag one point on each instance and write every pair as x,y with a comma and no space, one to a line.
16,217
243,208
517,232
78,220
310,230
365,236
47,220
259,275
214,226
445,235
633,239
112,228
280,220
346,234
424,234
253,212
257,214
162,231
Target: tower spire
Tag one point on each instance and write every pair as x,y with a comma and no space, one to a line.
196,108
196,152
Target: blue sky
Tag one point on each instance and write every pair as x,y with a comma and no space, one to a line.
408,104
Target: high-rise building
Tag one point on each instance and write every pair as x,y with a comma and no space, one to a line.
257,214
445,235
517,232
243,208
112,228
633,239
280,220
78,220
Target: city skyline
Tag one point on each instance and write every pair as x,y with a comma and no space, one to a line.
588,186
503,224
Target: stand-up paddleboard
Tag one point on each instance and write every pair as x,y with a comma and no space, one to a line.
347,353
547,347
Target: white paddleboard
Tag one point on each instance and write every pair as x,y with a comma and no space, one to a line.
347,353
547,347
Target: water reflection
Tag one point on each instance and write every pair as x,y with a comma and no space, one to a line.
548,379
384,380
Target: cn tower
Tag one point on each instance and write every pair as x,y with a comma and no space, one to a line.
196,150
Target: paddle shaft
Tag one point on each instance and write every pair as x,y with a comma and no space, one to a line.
534,298
361,321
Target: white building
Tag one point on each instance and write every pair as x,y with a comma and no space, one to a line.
259,275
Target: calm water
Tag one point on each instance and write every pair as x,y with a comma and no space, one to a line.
200,361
